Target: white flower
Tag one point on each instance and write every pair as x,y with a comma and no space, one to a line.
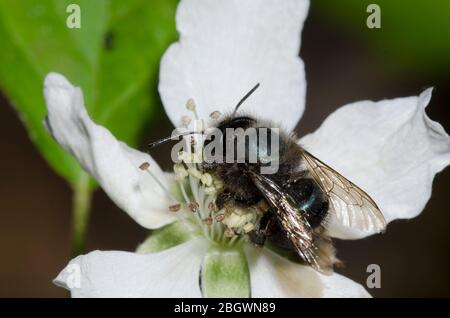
389,148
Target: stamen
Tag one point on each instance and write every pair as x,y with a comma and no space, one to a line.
182,156
145,167
206,179
193,206
180,172
185,121
232,220
208,221
248,227
185,157
218,184
195,173
228,211
229,232
183,191
212,207
175,207
238,211
219,218
199,125
226,226
210,190
233,239
190,104
197,157
215,115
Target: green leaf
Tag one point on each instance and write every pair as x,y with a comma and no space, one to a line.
113,57
225,273
166,237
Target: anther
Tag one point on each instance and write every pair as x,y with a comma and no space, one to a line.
206,179
185,121
219,218
233,220
212,207
175,207
228,211
210,190
190,104
207,221
193,206
248,227
144,166
218,183
228,232
215,115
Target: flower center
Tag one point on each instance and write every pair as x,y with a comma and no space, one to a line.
198,191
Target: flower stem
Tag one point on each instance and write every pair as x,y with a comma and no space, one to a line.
82,195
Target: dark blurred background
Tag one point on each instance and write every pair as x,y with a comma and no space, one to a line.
345,61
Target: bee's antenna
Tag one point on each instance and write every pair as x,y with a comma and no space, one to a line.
244,98
166,139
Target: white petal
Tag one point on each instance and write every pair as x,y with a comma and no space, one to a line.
112,163
225,48
171,273
275,276
391,149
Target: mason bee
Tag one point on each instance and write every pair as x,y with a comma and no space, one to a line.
300,198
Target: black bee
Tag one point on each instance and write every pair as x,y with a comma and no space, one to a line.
302,197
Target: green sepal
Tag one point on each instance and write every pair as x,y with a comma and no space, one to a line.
166,237
225,273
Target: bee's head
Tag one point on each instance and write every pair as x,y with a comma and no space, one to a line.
235,122
231,122
244,139
237,139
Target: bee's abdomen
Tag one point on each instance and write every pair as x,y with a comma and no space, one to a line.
310,199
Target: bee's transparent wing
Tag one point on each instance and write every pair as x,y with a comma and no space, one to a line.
309,244
349,205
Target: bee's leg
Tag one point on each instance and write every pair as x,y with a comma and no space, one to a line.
224,198
208,166
259,235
